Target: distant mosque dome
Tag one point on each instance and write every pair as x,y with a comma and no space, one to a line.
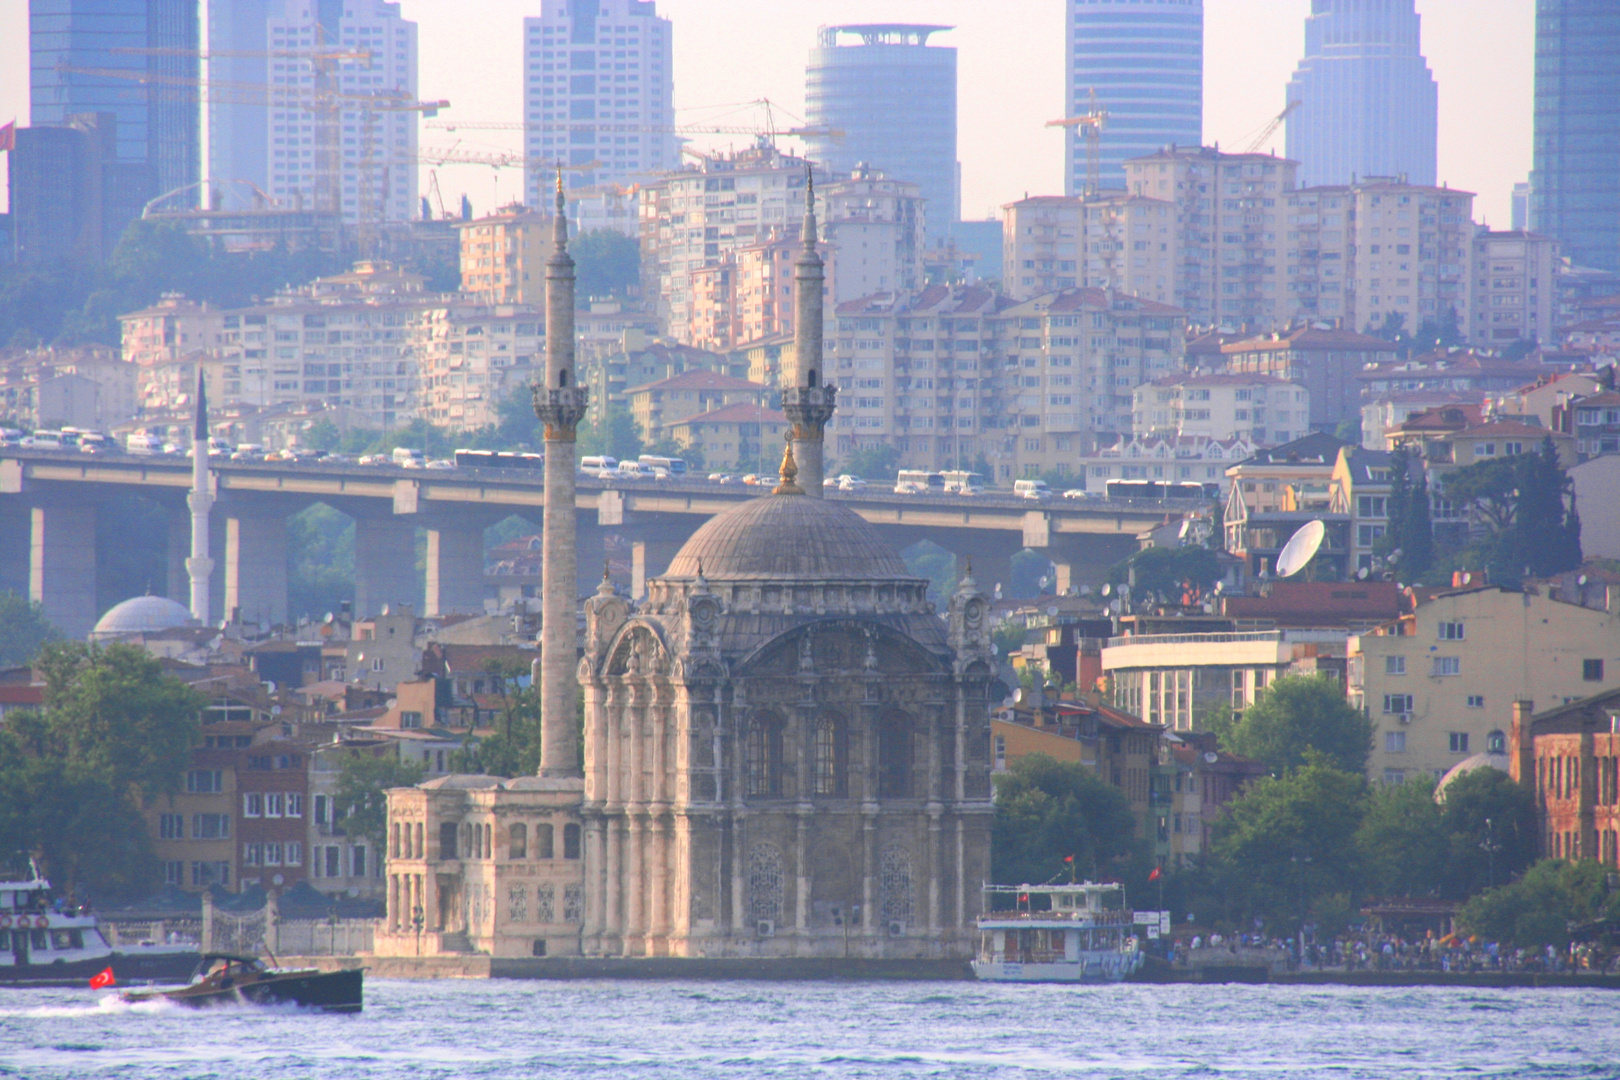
1490,759
140,615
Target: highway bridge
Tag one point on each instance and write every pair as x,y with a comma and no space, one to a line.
49,502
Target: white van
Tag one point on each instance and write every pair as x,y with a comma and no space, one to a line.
1032,489
600,466
407,458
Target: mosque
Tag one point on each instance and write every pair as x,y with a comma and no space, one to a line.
786,748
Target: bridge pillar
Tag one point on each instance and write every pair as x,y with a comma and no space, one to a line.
177,585
384,564
256,568
991,553
1084,560
651,552
62,565
14,530
455,569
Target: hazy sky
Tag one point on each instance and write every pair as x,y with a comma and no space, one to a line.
1010,55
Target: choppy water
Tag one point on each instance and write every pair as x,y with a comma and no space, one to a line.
673,1031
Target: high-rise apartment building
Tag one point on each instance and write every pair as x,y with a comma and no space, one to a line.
132,59
1145,60
892,97
1514,287
1575,195
1368,105
365,168
239,124
1129,243
598,88
1229,213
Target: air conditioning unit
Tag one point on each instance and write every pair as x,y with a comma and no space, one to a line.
1405,717
897,928
766,927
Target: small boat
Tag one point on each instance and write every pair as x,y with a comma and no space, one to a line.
46,944
1057,933
233,979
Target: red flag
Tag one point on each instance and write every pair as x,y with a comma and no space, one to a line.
104,978
1155,875
8,136
1068,858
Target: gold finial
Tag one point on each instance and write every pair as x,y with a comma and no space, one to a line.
790,470
561,201
606,576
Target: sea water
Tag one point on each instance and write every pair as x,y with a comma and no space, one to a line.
678,1030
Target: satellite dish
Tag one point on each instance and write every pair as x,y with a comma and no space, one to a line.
1220,587
1085,590
1361,575
1468,579
1301,549
1108,590
1018,695
1211,756
1581,581
1052,610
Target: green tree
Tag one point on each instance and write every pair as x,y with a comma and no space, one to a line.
514,747
1048,810
1289,843
1349,431
1491,833
610,430
878,464
1410,530
322,434
1547,528
1402,841
607,262
24,630
1167,571
320,561
1538,909
1295,715
361,798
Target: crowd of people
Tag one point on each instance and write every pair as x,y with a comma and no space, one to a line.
1372,951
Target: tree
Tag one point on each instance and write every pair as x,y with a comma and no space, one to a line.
1290,842
608,263
1402,841
1349,430
1538,909
117,714
610,430
361,798
692,455
878,463
514,749
1546,534
1048,810
322,434
1410,530
1167,571
1491,833
24,630
1295,715
320,561
1391,329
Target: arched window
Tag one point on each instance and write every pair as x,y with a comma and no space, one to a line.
543,842
896,898
420,851
830,761
814,379
517,841
562,379
1496,743
764,883
894,757
763,757
570,841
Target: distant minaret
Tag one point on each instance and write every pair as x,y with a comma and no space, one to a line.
808,401
200,567
560,404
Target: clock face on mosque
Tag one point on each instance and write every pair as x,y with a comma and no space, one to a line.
704,612
974,612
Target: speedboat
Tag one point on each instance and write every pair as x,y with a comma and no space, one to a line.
234,979
1057,933
47,944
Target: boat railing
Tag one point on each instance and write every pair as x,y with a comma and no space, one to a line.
1092,918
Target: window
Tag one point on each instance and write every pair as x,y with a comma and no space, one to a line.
204,874
570,841
171,826
1396,704
1394,742
274,804
174,873
1001,752
827,777
1447,665
252,854
295,804
1451,631
1394,776
1394,665
253,804
334,861
210,826
295,853
447,840
1458,741
894,758
357,860
517,841
205,781
410,718
320,810
1592,670
273,852
1496,743
763,753
543,848
1476,701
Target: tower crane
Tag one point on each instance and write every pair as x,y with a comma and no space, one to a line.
1091,124
1271,128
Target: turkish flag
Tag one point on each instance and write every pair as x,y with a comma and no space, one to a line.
1068,858
1155,875
8,136
104,978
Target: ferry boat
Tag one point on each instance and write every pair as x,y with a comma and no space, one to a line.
41,945
1057,933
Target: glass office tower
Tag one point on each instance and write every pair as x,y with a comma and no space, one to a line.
1575,188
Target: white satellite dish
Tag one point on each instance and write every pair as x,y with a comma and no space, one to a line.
1301,549
1108,590
1211,756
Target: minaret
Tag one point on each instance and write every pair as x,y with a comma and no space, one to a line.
200,567
560,404
808,400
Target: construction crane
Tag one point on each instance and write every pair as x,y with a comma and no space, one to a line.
769,130
1091,124
1271,128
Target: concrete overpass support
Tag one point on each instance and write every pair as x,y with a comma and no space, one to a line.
14,530
1084,560
455,570
255,568
177,586
991,553
62,565
384,564
651,552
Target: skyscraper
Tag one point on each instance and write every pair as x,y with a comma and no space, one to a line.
894,98
1575,188
238,126
126,58
597,91
365,163
1145,60
1368,104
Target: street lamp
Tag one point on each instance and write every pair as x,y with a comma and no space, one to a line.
1490,846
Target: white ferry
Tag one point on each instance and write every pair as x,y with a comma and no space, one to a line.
40,945
1057,933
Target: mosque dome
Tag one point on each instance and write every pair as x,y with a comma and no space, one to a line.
141,615
788,537
1486,760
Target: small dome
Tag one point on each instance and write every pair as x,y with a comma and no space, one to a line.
141,615
1487,760
788,538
